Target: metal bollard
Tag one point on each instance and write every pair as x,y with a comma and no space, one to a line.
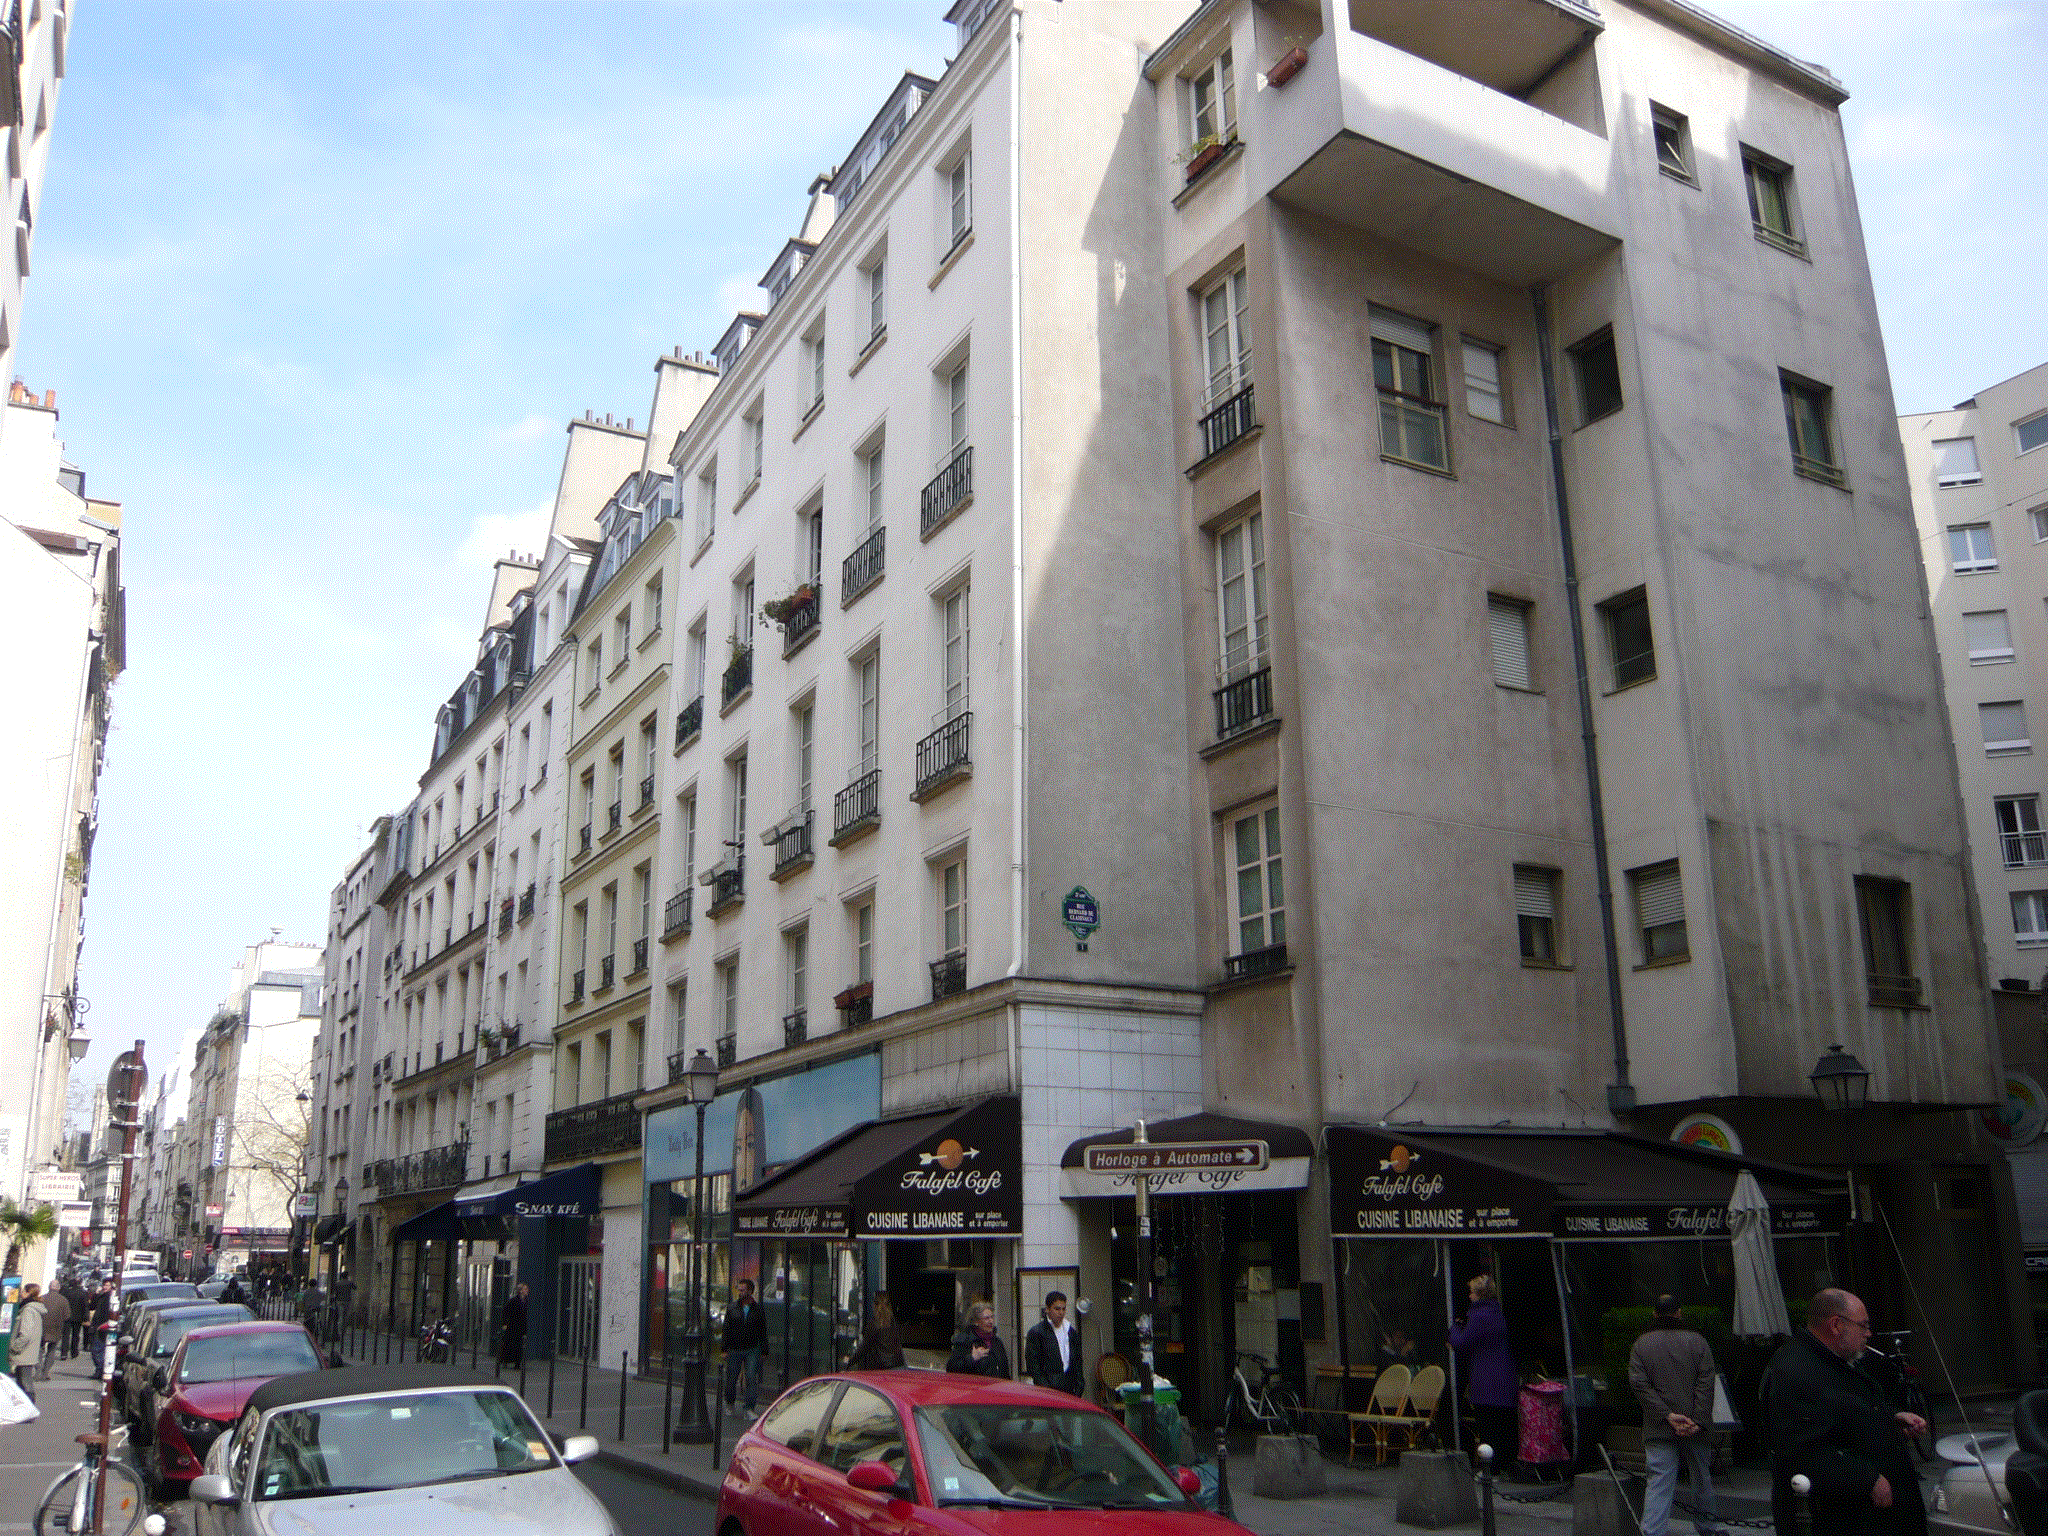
583,1395
1486,1490
1802,1490
522,1371
551,1383
717,1428
1223,1505
668,1392
622,1396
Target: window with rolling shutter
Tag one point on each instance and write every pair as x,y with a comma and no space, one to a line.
1507,624
2005,728
1988,636
1536,913
1955,462
1660,912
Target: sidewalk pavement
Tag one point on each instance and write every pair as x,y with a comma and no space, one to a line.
33,1454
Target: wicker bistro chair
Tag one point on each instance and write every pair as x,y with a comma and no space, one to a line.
1385,1411
1425,1392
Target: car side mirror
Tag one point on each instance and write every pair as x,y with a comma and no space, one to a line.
579,1448
212,1488
876,1477
1189,1481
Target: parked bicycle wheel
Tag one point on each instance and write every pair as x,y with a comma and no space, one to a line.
1282,1401
67,1507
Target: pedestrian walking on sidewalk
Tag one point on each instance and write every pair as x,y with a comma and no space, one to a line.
881,1347
1052,1349
512,1331
978,1348
1671,1371
25,1349
744,1338
56,1318
80,1304
100,1322
1481,1339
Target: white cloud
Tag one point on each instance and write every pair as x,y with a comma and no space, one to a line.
493,535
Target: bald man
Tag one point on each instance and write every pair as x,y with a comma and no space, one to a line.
1831,1422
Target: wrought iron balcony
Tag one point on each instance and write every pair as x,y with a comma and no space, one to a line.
606,966
675,915
858,807
793,1033
801,622
576,987
856,1005
614,816
863,568
583,839
678,1066
646,792
949,974
728,1050
1894,991
948,491
728,885
1255,962
506,909
792,847
945,754
1227,421
445,1167
690,720
591,1130
738,678
526,900
639,957
1244,703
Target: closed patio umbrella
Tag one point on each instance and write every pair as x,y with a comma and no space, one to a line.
1759,1302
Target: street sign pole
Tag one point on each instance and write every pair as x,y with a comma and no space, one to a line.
1148,1413
124,1092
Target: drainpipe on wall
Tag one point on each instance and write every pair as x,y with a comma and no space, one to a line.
1621,1093
1018,736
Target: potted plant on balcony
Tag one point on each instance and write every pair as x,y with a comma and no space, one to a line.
780,610
1203,153
859,992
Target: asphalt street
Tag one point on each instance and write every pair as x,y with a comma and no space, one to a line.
644,1508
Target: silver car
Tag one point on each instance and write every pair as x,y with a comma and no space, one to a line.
1970,1499
367,1450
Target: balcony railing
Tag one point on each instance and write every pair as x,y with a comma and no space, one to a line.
506,911
728,1050
690,720
606,966
949,974
946,493
2023,848
801,622
944,753
863,568
590,1130
1242,704
1894,991
738,678
678,1066
858,806
646,792
856,1005
1255,962
527,898
792,846
614,816
1227,421
436,1168
583,839
675,915
639,957
728,886
793,1033
576,987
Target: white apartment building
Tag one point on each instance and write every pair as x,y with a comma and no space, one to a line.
37,35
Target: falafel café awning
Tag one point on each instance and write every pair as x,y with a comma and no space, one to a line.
1575,1186
951,1173
1215,1163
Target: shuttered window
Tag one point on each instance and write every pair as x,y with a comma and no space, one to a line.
1988,636
2005,728
1507,624
1955,462
1660,911
1536,912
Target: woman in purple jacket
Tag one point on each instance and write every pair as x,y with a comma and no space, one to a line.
1481,1339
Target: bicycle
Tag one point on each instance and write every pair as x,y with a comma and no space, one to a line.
1900,1379
68,1508
1273,1409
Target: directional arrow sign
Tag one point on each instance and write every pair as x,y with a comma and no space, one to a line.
1173,1156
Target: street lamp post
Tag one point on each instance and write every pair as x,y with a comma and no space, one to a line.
694,1427
341,1210
1843,1084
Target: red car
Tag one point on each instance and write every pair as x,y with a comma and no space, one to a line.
203,1389
889,1453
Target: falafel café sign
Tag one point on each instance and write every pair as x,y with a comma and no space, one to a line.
1381,1186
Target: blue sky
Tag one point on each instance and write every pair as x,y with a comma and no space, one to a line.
318,286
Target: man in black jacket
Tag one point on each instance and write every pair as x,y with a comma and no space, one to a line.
1052,1349
512,1332
1831,1422
745,1336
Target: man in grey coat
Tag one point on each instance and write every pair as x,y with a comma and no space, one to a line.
1671,1371
25,1347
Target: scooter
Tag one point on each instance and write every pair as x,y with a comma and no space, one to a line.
437,1342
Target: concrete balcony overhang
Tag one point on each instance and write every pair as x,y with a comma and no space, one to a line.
1374,137
1510,45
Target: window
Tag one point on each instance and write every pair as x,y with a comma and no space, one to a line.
959,199
1485,396
743,611
1226,344
814,370
755,436
953,907
622,636
693,661
689,840
865,1428
1660,912
654,605
953,654
1631,650
2030,434
1988,636
1536,913
1597,368
1673,137
2020,840
678,1010
729,997
864,941
867,747
1955,462
1507,626
1404,369
1212,102
2038,517
875,279
814,547
2005,728
589,786
1809,422
796,964
1771,209
594,654
1887,949
956,410
1241,594
1970,548
649,738
736,802
2030,918
800,731
1261,905
871,481
643,900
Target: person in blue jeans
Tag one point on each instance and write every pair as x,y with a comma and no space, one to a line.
1671,1371
745,1337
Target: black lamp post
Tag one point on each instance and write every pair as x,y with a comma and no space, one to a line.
694,1426
341,1210
1843,1084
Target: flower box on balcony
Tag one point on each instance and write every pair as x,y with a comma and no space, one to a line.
860,991
1203,158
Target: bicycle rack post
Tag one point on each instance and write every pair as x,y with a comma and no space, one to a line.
551,1382
623,1354
1485,1490
1223,1505
583,1393
668,1392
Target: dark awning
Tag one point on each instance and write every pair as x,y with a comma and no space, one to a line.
436,1224
1567,1184
329,1229
577,1191
952,1173
1242,1155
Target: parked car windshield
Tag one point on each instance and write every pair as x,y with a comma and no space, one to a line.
173,1326
360,1445
247,1354
993,1453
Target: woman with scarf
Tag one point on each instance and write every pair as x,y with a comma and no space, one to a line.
977,1351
